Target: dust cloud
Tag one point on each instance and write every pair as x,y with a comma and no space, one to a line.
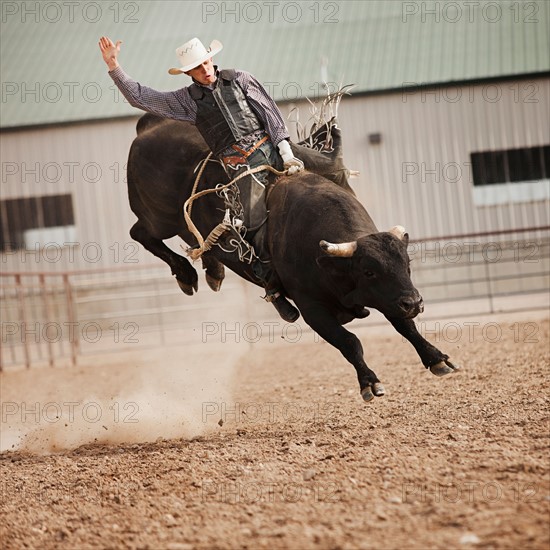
172,393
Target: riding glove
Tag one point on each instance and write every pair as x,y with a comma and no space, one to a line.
291,163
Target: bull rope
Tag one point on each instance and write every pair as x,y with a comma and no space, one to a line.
225,225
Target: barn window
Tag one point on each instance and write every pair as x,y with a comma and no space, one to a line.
33,222
511,175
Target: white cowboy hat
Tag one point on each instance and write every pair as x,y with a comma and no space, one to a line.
193,53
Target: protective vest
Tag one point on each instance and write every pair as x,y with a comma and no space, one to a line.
224,116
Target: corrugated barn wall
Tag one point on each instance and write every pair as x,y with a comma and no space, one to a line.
86,161
420,174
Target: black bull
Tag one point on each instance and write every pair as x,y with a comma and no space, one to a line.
330,257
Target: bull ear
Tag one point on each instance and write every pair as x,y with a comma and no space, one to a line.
400,232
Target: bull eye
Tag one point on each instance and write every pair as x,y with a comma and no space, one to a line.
370,274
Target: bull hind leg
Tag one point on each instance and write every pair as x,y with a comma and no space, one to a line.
431,357
215,271
185,273
327,326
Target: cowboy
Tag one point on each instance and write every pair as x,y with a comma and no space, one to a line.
239,122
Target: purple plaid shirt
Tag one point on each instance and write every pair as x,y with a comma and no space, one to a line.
179,104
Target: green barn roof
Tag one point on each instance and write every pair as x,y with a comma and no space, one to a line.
52,70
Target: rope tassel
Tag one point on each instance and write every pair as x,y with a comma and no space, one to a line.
212,239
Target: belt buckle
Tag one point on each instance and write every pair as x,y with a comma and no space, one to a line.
233,161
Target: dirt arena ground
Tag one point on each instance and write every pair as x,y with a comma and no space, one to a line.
270,446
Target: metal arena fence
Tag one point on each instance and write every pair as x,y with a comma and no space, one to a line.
56,318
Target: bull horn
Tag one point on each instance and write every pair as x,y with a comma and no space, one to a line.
351,173
343,250
399,232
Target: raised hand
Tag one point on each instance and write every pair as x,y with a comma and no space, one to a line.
109,51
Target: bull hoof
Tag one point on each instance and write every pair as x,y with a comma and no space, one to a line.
187,288
369,392
366,394
214,284
443,367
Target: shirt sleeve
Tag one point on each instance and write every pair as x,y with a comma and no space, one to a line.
264,107
178,105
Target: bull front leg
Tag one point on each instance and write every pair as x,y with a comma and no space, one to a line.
431,357
185,273
327,326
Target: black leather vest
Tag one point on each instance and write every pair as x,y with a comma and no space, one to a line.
224,116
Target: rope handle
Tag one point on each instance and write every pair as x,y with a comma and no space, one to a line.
212,238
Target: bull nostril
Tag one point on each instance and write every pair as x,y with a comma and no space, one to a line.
409,303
